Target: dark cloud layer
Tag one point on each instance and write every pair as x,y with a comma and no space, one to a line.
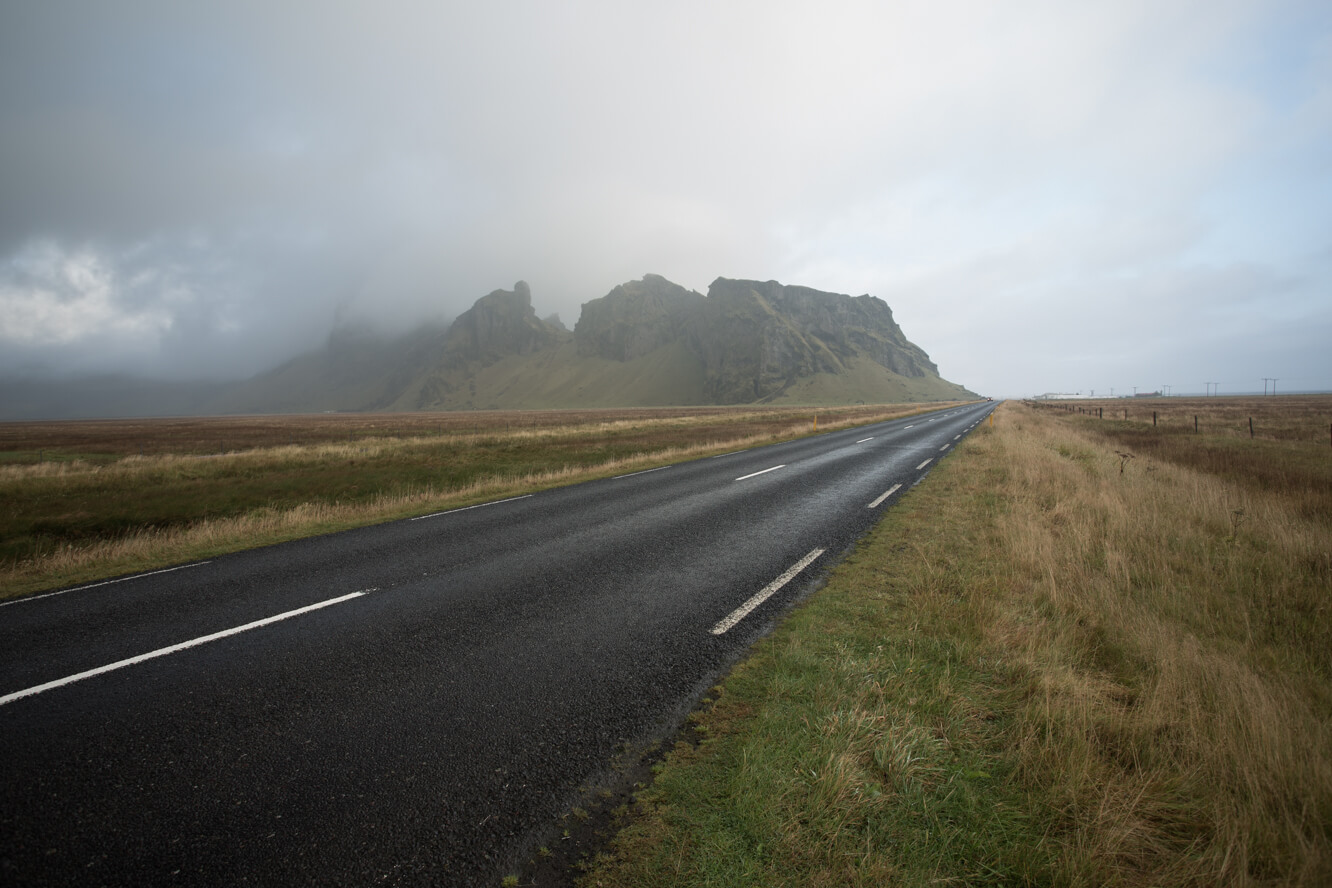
1050,197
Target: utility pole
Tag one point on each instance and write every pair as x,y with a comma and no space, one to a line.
1266,380
1274,379
1135,391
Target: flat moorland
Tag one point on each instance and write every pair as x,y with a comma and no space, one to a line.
1276,444
1275,417
90,499
27,442
1083,651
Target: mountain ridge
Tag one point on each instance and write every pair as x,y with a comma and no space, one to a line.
649,342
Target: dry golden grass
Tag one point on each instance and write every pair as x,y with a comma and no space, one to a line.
30,442
1178,640
1282,418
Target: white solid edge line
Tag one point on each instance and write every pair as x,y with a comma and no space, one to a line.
764,472
644,472
879,501
743,610
162,652
863,440
477,506
150,573
924,464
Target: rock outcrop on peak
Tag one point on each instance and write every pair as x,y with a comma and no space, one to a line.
755,340
500,324
758,338
635,318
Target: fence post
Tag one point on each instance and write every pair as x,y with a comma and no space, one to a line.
1153,418
1195,423
1250,426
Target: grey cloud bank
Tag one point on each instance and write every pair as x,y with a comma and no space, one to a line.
1049,196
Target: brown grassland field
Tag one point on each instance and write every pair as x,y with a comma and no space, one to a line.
92,499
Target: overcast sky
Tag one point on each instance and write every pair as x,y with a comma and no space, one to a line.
1050,196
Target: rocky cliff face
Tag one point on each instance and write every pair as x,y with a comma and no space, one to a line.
635,319
848,324
500,324
755,339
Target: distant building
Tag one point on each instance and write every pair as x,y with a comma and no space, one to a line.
1058,396
1146,394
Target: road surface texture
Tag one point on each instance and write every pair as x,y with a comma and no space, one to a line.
415,703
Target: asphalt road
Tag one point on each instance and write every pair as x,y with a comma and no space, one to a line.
435,692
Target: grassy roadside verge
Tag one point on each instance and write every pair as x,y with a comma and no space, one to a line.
1037,670
84,501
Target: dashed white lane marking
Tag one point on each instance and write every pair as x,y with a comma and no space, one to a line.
765,593
175,648
477,506
731,453
888,493
764,472
863,440
956,437
904,428
151,573
644,472
924,464
945,447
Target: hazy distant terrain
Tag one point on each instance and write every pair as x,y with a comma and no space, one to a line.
104,396
646,343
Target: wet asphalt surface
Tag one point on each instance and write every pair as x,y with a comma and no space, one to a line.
433,730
